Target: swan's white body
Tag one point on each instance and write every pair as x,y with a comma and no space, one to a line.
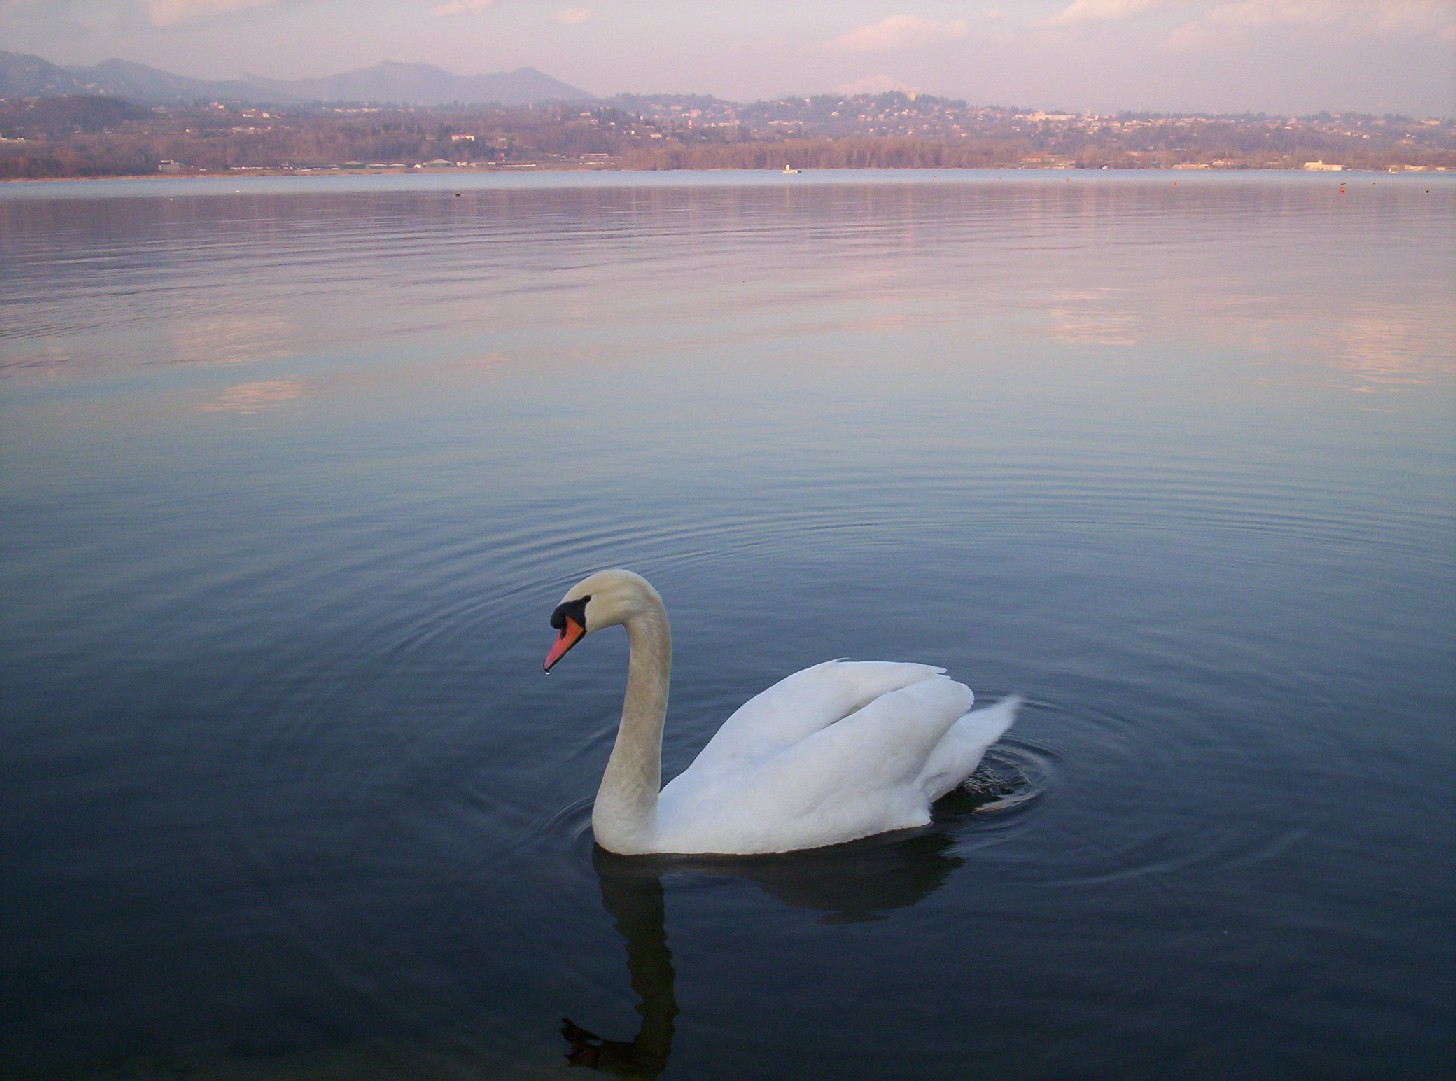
842,750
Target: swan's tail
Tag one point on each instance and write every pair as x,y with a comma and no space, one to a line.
993,721
957,755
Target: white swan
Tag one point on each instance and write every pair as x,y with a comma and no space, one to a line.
839,751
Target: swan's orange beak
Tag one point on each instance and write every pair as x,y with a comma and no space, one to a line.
571,633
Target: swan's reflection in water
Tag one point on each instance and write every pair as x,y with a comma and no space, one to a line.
632,896
847,883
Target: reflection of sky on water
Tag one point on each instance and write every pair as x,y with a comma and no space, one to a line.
258,395
1367,346
255,397
230,339
574,276
1391,345
1095,317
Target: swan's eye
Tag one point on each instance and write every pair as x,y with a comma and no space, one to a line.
573,610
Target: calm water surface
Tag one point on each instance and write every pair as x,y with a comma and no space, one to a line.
292,473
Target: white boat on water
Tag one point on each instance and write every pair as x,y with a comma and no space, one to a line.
791,170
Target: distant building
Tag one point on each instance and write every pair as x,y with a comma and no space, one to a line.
1322,167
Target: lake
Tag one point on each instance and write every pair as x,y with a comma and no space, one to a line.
293,472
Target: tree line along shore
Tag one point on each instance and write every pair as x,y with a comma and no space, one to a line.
97,136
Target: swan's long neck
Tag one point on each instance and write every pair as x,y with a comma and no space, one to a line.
624,817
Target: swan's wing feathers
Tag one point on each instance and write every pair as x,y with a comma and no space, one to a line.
885,743
798,706
852,779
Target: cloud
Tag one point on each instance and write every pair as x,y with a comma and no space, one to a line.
897,32
1231,21
572,16
168,13
461,7
1090,11
1389,17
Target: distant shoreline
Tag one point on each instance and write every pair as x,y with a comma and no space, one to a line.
305,174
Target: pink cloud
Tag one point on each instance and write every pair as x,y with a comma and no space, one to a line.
461,7
1088,11
897,32
167,13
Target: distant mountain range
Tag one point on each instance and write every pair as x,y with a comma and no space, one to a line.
26,76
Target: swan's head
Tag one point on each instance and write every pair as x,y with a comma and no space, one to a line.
601,600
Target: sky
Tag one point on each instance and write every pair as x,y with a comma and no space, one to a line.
1273,56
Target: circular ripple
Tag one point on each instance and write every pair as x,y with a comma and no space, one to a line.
1010,776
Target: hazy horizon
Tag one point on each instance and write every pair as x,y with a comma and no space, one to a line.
1214,56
